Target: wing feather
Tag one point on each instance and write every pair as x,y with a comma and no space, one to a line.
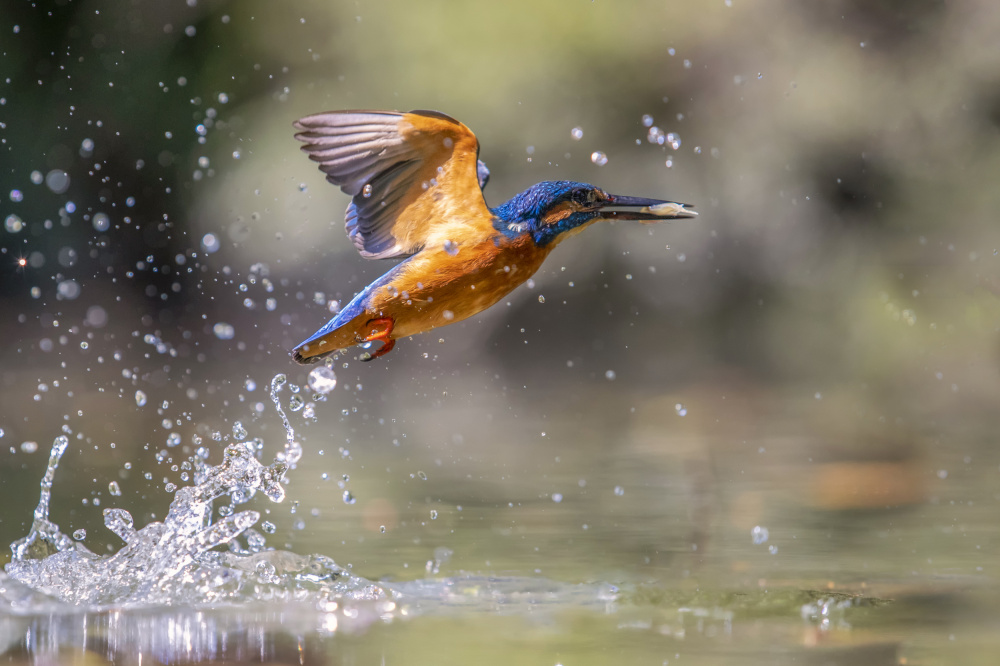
406,172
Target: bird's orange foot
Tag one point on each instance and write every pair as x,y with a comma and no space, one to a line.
381,336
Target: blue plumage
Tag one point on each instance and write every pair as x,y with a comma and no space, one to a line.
357,305
523,213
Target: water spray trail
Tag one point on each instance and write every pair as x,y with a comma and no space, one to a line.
58,449
293,450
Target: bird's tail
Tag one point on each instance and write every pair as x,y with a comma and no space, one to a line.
338,335
331,338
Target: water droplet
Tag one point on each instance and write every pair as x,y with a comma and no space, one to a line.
366,191
557,497
680,409
140,398
236,155
173,439
96,316
210,243
448,315
598,158
576,133
114,490
295,403
223,98
224,331
84,345
29,447
422,475
268,527
381,528
451,247
610,375
349,498
759,535
68,289
434,514
673,139
13,224
541,299
80,535
619,491
322,380
239,432
16,196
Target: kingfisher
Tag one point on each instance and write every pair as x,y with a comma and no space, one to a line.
416,186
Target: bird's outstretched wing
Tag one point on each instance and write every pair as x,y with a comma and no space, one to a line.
405,171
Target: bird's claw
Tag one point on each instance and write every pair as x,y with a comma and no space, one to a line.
381,336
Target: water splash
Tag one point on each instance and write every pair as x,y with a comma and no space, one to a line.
45,539
176,561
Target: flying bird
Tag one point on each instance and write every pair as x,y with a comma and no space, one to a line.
416,184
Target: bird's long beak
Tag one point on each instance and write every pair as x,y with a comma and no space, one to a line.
650,210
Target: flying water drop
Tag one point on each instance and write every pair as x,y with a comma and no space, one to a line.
322,380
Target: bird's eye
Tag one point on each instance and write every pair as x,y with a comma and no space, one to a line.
582,197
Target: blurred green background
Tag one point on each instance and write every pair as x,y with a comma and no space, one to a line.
816,354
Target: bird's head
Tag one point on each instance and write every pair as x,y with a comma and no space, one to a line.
552,209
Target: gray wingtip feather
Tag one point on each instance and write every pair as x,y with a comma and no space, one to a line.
347,119
355,148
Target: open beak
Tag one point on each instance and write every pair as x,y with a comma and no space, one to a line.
649,210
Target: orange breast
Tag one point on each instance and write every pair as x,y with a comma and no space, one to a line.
455,280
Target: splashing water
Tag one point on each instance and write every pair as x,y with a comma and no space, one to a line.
293,450
180,563
176,561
